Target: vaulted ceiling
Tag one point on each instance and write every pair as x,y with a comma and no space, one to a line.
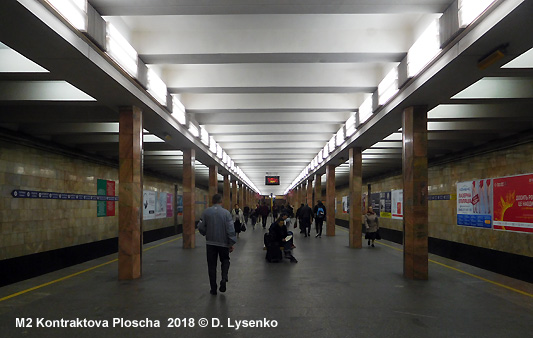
271,81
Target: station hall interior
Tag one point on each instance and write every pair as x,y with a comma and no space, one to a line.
119,120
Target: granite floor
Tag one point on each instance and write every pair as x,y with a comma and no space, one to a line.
333,291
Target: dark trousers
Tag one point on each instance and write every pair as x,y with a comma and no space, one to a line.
214,252
264,221
305,224
319,223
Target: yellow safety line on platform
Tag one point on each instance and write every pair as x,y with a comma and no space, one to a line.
461,271
77,273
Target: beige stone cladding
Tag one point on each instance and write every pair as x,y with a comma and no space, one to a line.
443,180
30,226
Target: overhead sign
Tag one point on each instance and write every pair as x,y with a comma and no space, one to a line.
271,180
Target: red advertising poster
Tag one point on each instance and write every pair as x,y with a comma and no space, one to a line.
513,203
110,192
170,212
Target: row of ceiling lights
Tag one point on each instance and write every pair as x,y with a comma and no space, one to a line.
422,52
121,51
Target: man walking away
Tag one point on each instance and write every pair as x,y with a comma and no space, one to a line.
319,211
216,225
306,218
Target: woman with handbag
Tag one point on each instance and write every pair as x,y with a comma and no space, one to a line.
372,226
238,219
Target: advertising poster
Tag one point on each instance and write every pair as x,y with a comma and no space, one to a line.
170,211
149,198
397,204
474,201
161,205
363,204
513,203
385,204
179,205
101,190
345,205
375,202
110,204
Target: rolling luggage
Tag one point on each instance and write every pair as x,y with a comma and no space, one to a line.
273,251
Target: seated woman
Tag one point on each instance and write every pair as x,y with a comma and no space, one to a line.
281,237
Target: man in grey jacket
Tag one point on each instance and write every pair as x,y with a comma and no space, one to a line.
216,225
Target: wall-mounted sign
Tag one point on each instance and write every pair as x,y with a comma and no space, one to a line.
271,180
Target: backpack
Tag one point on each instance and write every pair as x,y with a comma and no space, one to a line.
320,212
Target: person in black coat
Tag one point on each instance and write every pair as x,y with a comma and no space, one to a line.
306,215
279,237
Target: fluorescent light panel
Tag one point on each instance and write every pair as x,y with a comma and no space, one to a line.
204,136
212,145
365,110
424,49
350,125
121,50
178,111
194,130
523,61
470,10
388,86
74,11
339,137
157,88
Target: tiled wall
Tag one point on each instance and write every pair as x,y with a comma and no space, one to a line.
30,226
443,179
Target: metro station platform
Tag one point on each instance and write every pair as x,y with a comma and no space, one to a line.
333,291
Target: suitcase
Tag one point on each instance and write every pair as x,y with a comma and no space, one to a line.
274,254
273,251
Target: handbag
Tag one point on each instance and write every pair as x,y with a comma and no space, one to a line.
243,228
378,235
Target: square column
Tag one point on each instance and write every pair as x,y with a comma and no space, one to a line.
310,192
415,193
330,200
356,182
213,183
233,194
240,200
189,199
226,201
318,188
130,193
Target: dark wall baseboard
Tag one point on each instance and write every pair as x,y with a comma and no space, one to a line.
25,267
512,265
29,266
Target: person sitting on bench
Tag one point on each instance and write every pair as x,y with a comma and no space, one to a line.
281,237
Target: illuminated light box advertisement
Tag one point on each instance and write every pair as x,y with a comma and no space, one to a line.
271,180
345,204
513,203
474,203
385,202
397,204
149,204
375,203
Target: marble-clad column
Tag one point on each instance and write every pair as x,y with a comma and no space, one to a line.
213,183
189,198
415,193
356,182
318,188
233,194
130,193
330,200
240,200
310,192
226,201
